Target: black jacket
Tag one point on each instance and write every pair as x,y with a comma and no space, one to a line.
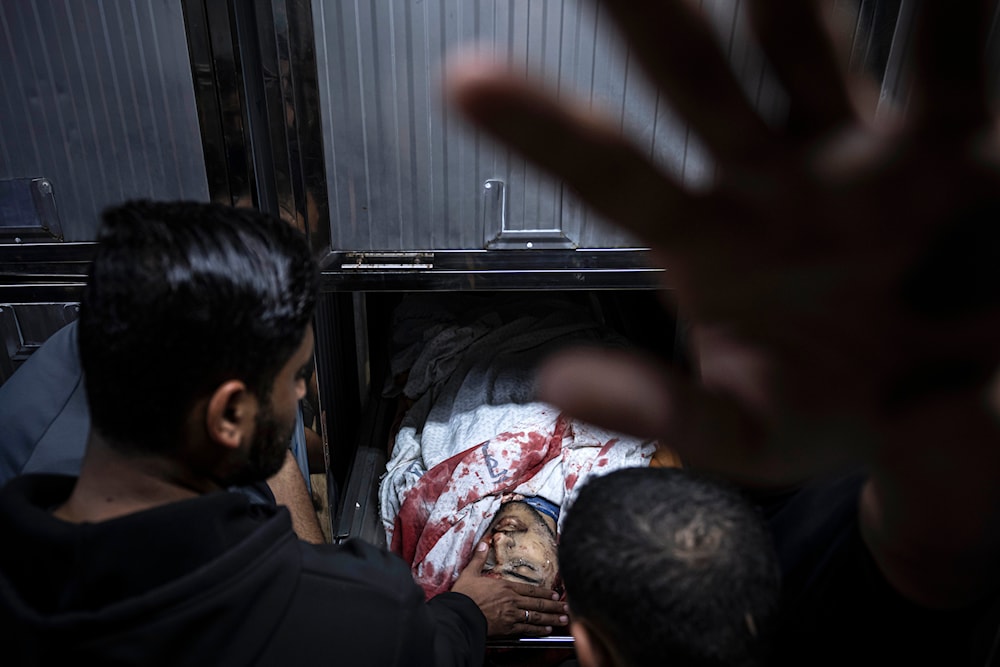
213,580
838,607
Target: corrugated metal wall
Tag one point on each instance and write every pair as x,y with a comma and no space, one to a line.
98,98
404,173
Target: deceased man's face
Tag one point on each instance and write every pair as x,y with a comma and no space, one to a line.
522,546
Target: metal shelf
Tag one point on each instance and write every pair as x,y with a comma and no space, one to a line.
457,270
58,271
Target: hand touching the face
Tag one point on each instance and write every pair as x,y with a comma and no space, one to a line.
510,608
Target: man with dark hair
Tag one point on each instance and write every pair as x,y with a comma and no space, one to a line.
665,567
43,407
195,337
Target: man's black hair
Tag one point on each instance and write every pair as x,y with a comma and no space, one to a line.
671,568
182,296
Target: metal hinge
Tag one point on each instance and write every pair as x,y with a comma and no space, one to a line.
388,261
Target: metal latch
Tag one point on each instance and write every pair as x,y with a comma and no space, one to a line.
498,234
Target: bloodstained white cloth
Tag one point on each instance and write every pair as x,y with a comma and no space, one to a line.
475,433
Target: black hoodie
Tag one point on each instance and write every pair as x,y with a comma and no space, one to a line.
213,580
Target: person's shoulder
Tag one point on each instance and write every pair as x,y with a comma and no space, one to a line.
53,368
357,563
362,601
34,492
43,408
57,356
839,605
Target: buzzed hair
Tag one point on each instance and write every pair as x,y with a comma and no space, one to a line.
671,567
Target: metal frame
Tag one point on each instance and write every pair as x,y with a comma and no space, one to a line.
454,270
44,271
255,75
255,84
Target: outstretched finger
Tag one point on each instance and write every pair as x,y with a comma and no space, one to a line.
678,47
478,560
949,86
538,623
544,612
793,36
541,596
541,607
712,430
589,154
539,599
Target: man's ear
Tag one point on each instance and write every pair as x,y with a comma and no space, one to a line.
591,650
229,418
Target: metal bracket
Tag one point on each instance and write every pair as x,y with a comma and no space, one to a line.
497,236
28,211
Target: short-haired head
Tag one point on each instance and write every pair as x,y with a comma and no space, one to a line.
182,296
669,567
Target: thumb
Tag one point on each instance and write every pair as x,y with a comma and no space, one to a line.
478,559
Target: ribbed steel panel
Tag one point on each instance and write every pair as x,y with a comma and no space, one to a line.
404,173
98,98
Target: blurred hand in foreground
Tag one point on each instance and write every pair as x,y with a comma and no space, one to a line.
841,275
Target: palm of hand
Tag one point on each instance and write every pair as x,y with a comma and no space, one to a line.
847,288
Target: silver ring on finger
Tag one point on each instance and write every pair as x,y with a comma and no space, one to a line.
525,615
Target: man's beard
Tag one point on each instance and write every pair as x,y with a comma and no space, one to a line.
267,449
